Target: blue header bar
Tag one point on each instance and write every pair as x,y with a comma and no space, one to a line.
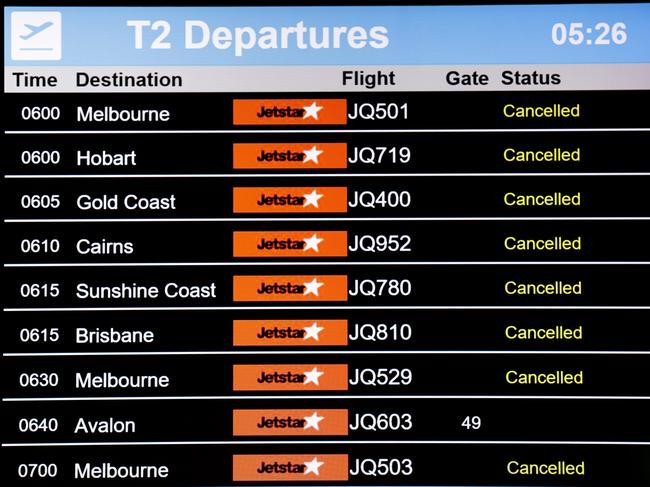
410,35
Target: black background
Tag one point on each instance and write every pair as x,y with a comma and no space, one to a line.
481,330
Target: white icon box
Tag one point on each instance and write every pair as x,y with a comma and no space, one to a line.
35,36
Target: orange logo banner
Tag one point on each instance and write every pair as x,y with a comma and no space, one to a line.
293,377
325,111
290,422
298,467
290,244
307,155
290,199
299,333
290,288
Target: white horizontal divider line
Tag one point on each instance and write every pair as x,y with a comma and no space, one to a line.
312,308
319,397
330,219
321,175
333,352
331,442
307,262
329,131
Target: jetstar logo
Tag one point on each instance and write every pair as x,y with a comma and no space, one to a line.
308,377
305,288
290,422
277,156
302,333
333,377
277,332
295,155
290,199
304,244
286,467
297,467
308,332
281,244
290,288
306,422
275,199
289,111
281,422
310,111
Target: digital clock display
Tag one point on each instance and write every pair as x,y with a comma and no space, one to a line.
576,33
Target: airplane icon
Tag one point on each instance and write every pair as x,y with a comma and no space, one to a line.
36,29
36,36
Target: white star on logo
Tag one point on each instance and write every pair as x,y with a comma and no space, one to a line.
312,331
313,466
312,111
312,243
312,198
312,155
312,287
313,420
312,376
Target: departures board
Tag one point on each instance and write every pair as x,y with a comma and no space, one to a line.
365,245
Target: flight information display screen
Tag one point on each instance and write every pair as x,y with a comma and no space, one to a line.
371,245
